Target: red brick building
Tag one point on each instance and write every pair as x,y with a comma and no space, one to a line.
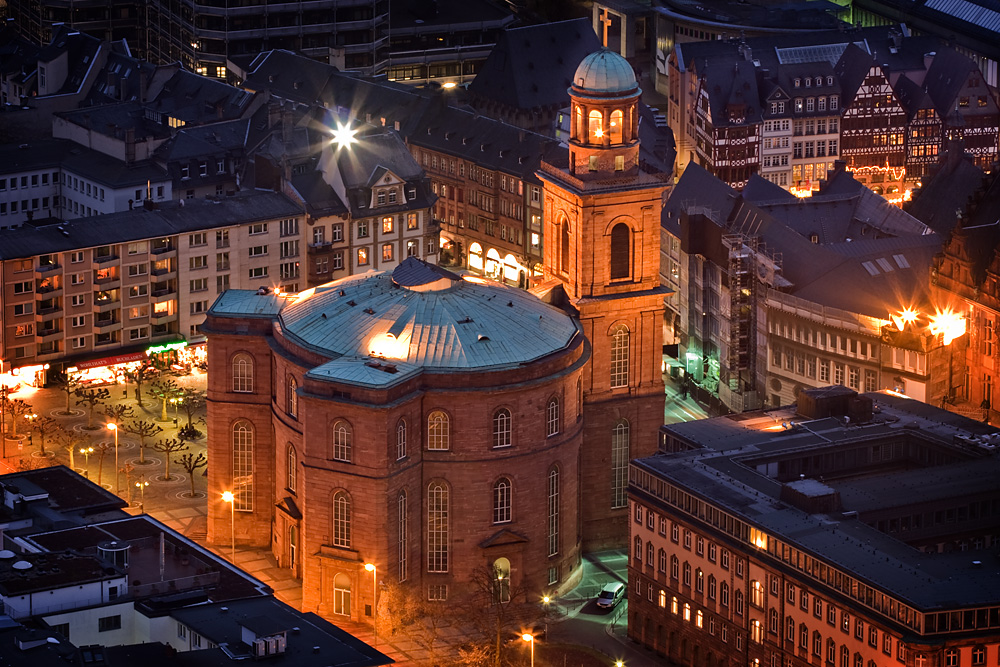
602,230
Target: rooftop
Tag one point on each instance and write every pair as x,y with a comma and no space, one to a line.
748,463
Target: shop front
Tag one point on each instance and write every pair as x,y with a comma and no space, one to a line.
178,358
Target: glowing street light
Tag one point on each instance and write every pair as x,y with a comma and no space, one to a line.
344,136
531,640
906,316
141,485
114,427
947,324
228,497
371,568
87,451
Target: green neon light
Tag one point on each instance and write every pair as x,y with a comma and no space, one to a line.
156,349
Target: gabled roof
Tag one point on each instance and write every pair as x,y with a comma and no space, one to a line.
852,68
732,93
947,75
911,96
533,66
198,99
944,195
289,76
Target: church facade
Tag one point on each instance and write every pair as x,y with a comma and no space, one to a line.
427,423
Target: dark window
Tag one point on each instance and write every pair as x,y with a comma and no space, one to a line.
564,246
620,251
109,623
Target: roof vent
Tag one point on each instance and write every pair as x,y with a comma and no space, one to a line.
351,303
510,304
467,320
323,316
369,311
224,610
482,337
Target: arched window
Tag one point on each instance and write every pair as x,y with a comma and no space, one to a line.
950,657
564,245
595,130
738,596
293,398
501,428
621,251
401,439
243,466
437,527
401,529
438,431
501,568
342,595
293,546
724,594
619,356
712,584
675,568
661,561
650,550
342,520
553,511
342,437
243,373
616,126
552,417
501,500
476,257
578,124
619,463
291,463
687,573
637,548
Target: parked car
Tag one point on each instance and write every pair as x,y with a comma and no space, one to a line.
611,595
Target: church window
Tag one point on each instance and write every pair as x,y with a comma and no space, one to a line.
564,246
501,428
242,373
437,430
553,511
342,595
616,126
401,439
342,520
401,529
437,527
621,241
342,441
292,466
619,463
243,466
596,126
552,417
293,398
501,501
619,356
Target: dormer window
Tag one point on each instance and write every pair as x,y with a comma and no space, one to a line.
829,80
392,196
819,81
380,198
809,82
798,83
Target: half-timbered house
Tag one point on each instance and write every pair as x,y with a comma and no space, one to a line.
728,121
923,129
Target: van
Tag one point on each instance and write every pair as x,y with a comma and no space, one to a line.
611,595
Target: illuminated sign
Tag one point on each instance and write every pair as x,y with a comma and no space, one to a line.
166,347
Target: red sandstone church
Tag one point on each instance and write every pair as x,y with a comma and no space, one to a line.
430,423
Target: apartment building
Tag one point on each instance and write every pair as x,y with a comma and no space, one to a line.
793,537
124,281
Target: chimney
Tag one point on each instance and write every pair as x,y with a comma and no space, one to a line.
286,126
273,114
143,85
129,145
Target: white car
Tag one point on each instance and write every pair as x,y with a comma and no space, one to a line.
611,595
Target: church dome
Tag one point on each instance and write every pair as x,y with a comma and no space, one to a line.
605,71
422,316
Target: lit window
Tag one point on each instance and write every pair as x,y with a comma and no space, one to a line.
341,520
438,431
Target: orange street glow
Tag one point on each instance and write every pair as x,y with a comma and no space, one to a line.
947,324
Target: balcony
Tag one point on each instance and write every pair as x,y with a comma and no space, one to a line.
108,282
107,325
49,335
101,340
164,252
163,318
165,294
164,272
49,288
102,260
107,305
43,269
45,312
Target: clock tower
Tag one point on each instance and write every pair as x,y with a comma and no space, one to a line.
602,247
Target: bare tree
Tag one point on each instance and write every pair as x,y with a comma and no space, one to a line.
168,446
191,402
409,614
138,377
91,398
103,448
192,464
165,390
494,610
118,413
16,409
66,383
141,429
46,427
67,440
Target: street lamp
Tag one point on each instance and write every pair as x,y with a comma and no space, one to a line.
141,485
228,497
118,488
619,663
531,640
87,451
371,568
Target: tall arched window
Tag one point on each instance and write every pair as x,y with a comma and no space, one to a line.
342,520
564,245
621,251
501,569
293,398
619,356
595,127
437,527
501,428
476,257
402,530
650,550
401,439
637,548
342,595
342,437
501,500
243,466
552,417
243,373
553,511
438,430
578,129
619,463
616,126
291,463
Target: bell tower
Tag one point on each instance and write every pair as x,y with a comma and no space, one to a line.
602,246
